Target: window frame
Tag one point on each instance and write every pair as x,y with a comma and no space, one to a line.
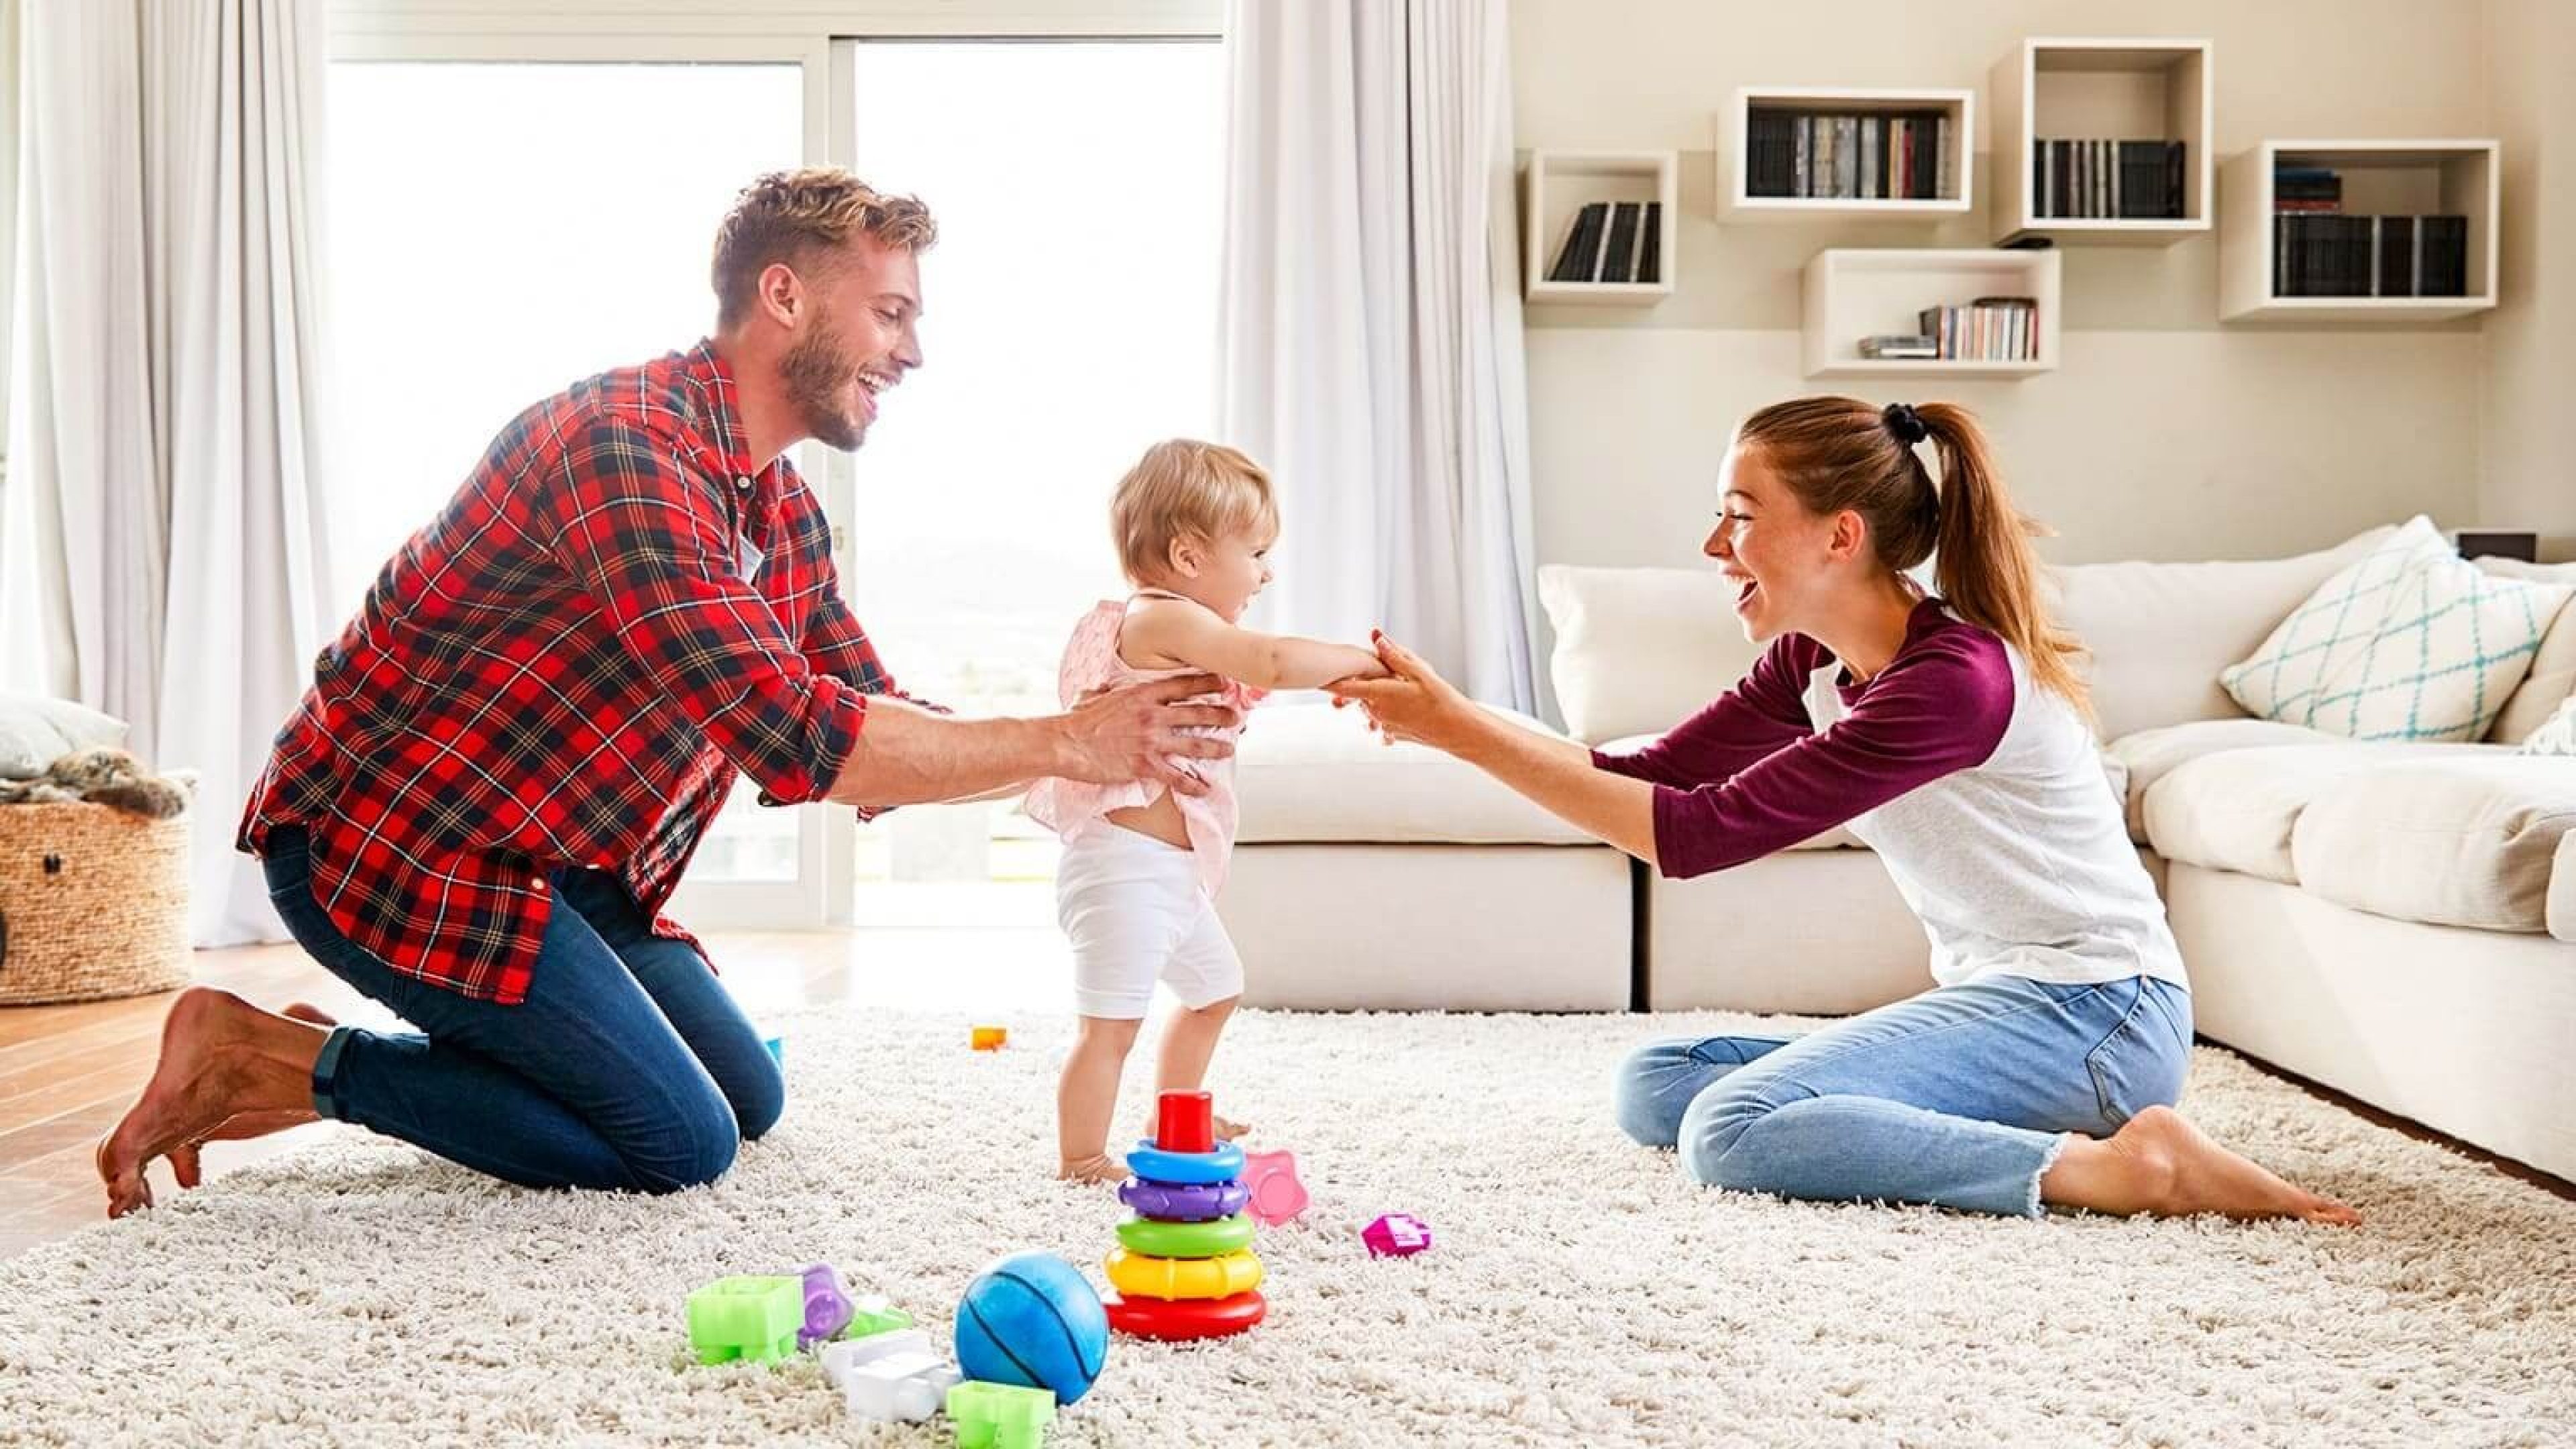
819,37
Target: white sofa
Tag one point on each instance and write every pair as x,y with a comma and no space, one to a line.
2394,921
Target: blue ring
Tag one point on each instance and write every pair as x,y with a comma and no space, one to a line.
1225,1164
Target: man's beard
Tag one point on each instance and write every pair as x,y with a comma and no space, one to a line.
817,371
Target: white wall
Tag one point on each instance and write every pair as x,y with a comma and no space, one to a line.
2529,395
2162,435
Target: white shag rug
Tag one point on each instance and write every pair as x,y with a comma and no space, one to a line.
1580,1292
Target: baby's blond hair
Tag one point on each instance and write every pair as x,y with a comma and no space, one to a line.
1184,488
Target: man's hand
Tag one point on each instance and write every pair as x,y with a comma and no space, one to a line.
1136,732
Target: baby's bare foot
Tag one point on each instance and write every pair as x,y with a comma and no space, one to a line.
1098,1167
1228,1130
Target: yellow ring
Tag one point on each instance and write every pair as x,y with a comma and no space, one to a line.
1136,1276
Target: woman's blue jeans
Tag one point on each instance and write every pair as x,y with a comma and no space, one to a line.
1960,1097
627,1066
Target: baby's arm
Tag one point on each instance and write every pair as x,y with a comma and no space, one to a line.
1167,633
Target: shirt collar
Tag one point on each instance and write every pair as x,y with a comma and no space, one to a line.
719,418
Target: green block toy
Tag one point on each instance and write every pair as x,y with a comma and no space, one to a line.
873,1315
747,1317
999,1416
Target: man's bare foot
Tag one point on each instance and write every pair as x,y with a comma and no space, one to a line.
2159,1163
242,1126
219,1056
1098,1167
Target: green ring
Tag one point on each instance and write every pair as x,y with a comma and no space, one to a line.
1154,1239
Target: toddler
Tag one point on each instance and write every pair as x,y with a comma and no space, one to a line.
1194,523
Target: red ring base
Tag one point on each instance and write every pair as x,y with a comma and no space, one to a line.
1176,1320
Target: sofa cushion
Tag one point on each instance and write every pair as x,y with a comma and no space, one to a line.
1310,772
2408,642
2562,890
2553,670
2449,842
2150,755
2237,809
2557,734
2158,633
1640,650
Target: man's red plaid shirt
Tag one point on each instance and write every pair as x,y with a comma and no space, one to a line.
616,612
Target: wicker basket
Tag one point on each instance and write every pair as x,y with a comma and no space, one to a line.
93,903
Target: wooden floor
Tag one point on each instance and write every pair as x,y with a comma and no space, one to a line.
68,1072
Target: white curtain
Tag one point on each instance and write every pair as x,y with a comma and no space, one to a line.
1372,324
11,88
166,535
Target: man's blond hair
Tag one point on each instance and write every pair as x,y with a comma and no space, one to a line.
1186,489
802,218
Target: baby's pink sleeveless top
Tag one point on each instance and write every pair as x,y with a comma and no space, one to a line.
1073,808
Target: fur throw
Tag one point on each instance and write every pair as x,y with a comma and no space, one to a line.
107,777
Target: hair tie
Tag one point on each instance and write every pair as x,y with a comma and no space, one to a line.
1901,420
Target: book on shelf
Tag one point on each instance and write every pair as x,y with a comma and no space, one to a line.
1650,243
2096,179
1989,329
1619,256
1895,346
2318,254
1846,156
1574,261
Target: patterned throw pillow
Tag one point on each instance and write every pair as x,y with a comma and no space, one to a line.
2411,642
2557,734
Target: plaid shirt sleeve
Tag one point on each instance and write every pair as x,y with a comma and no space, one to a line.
652,542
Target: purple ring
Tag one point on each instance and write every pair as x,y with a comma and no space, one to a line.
1183,1202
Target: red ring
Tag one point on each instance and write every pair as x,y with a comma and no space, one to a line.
1174,1320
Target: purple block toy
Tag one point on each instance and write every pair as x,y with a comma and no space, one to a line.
1183,1202
827,1305
1397,1235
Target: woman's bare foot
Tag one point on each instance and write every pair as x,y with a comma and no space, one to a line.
242,1126
2161,1164
1098,1167
220,1057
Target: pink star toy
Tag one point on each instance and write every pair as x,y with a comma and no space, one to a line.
1271,1178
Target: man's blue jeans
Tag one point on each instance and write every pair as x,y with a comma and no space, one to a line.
1959,1097
627,1066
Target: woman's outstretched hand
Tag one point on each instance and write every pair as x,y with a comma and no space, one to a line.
1412,703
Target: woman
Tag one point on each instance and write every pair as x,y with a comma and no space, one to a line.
1950,733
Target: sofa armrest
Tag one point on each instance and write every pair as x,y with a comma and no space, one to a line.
2562,889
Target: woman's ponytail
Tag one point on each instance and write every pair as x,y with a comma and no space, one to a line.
1984,564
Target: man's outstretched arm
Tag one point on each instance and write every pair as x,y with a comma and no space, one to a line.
910,756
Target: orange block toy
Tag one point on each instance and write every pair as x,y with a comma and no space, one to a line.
987,1038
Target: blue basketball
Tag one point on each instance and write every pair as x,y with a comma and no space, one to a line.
1032,1320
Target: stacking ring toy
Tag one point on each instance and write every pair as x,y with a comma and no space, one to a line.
1136,1276
1175,1320
1184,1202
1186,1240
1223,1165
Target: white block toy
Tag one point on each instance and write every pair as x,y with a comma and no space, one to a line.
908,1386
843,1358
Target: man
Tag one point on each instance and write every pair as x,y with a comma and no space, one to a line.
508,756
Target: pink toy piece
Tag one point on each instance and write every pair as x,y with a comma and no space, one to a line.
1397,1235
827,1305
1277,1195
